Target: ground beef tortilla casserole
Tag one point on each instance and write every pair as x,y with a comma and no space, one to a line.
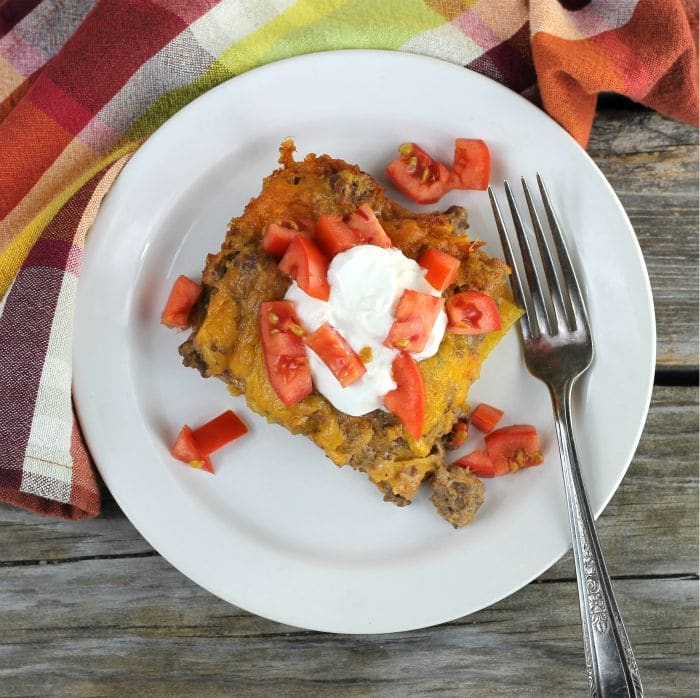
225,343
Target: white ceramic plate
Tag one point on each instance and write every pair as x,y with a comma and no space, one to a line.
279,530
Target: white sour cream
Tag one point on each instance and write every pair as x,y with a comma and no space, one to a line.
366,283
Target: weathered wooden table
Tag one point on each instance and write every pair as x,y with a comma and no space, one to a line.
89,609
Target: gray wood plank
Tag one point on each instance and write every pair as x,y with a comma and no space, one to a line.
106,615
135,626
651,524
652,163
26,536
656,507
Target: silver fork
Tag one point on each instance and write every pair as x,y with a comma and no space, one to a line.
558,348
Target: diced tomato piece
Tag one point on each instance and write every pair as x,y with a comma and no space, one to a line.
485,417
186,450
334,235
471,168
407,401
277,237
183,296
425,181
370,230
480,464
305,263
417,175
458,435
514,447
441,268
218,432
195,447
472,312
284,352
415,316
333,349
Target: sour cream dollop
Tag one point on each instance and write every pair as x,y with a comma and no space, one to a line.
366,283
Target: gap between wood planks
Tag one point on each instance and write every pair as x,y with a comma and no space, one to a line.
83,558
152,553
665,375
677,377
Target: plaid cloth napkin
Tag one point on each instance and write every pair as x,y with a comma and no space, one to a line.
83,82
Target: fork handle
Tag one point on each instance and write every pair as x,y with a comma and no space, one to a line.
610,663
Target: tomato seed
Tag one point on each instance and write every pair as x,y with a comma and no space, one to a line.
471,314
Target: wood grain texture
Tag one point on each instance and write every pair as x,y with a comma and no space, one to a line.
137,627
89,609
656,506
650,526
652,164
28,537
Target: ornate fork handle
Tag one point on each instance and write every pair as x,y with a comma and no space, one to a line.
610,663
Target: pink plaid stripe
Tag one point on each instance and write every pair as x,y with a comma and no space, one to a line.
79,78
48,473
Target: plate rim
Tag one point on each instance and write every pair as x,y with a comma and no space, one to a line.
81,398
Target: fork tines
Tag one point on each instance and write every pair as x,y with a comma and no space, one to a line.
555,306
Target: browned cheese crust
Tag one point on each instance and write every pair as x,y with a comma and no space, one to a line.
225,342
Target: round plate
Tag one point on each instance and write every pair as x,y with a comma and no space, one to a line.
280,531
